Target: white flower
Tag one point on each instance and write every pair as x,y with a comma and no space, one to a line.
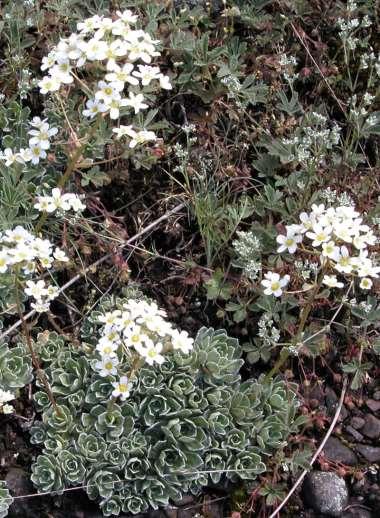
127,16
75,203
41,247
288,242
62,71
44,204
343,232
46,262
18,235
107,91
366,283
135,337
344,263
141,137
107,366
36,122
24,155
135,101
6,396
115,49
107,348
332,282
93,107
36,290
319,234
151,353
10,157
21,253
52,292
49,84
37,152
181,341
40,307
89,25
331,251
121,75
307,221
273,283
4,258
42,136
105,26
165,82
147,74
59,255
114,107
366,268
121,388
7,409
140,50
124,130
48,61
94,49
111,317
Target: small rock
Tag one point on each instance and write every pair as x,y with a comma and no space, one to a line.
357,512
325,492
376,395
185,500
18,483
332,402
370,453
373,404
371,428
338,452
354,433
357,422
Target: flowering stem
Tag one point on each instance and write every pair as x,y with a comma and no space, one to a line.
285,353
73,162
36,363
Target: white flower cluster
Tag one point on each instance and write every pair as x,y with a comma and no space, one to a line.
23,252
268,333
312,140
59,201
248,248
5,397
39,143
368,59
348,27
119,47
288,63
139,328
340,238
331,196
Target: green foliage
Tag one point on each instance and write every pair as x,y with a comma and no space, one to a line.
15,367
5,499
190,415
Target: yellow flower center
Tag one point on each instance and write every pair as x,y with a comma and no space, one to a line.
108,366
275,286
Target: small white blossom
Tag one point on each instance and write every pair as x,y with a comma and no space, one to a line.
274,284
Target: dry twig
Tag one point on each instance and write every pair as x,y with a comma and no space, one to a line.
94,265
317,453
